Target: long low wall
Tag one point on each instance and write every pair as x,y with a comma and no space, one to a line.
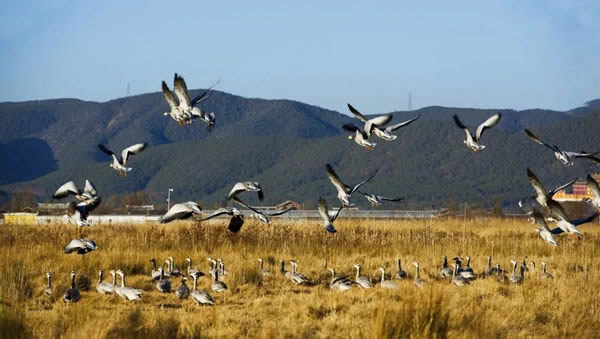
295,214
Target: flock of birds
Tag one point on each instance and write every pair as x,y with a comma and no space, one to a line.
457,275
183,110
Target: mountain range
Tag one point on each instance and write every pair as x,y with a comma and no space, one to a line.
285,145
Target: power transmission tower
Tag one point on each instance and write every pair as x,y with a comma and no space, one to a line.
410,101
128,89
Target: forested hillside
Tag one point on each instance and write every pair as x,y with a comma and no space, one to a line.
284,145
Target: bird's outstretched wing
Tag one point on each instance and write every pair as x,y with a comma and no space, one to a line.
335,180
217,213
357,186
204,95
133,149
537,185
392,128
65,190
593,185
537,140
272,214
181,92
89,188
489,123
461,125
357,114
169,96
560,188
177,211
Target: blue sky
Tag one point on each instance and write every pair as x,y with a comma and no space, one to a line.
488,54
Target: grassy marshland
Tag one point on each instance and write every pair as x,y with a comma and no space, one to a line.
272,306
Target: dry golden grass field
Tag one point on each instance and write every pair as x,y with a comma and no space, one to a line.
272,306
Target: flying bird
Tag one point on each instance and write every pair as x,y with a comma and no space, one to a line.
69,188
564,157
235,223
327,216
375,124
344,191
543,230
595,189
375,200
359,136
80,246
563,222
247,186
174,111
262,216
181,211
473,142
543,196
119,164
188,107
78,212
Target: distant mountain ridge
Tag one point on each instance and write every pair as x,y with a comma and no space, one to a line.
284,144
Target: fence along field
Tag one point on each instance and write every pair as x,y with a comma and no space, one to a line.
257,306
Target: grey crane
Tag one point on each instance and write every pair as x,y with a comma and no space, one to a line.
187,107
419,282
375,125
103,287
200,297
80,246
458,279
181,211
344,191
400,274
182,292
235,223
328,217
543,230
190,270
283,271
339,283
78,212
362,281
595,189
172,269
386,283
262,270
446,272
296,277
217,285
72,294
246,186
473,142
359,136
119,164
163,284
48,290
545,275
69,188
514,277
562,156
542,195
155,273
125,292
490,270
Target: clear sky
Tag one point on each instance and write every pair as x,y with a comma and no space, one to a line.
487,54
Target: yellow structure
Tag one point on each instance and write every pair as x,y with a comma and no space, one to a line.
21,218
564,196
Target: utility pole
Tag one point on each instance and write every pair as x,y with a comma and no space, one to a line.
169,199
